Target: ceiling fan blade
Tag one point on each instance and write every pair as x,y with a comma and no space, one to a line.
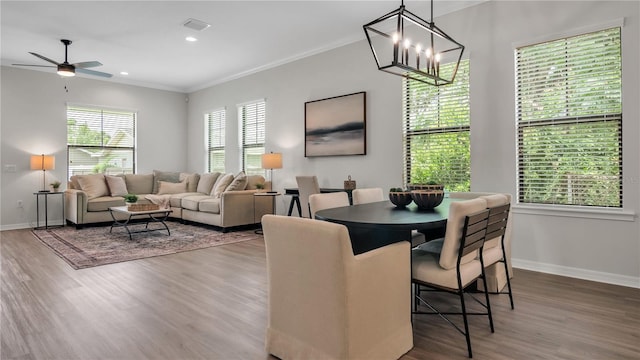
43,58
87,64
47,66
93,72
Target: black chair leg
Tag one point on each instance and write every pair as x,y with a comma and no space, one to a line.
466,323
506,271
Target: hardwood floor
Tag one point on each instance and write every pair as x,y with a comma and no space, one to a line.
211,304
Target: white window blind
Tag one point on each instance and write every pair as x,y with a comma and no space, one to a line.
436,131
100,141
252,118
569,114
215,122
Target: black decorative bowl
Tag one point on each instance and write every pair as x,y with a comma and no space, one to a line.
400,198
427,199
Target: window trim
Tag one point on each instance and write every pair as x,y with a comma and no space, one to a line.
241,132
207,137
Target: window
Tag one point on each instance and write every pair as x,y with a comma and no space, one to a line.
569,114
252,118
436,131
215,123
100,141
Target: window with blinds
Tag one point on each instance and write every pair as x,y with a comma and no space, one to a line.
569,114
100,141
252,117
436,131
215,123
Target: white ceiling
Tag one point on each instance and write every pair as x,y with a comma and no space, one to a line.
147,39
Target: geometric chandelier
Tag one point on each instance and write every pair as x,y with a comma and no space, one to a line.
404,44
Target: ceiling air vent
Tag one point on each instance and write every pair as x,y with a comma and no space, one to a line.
196,24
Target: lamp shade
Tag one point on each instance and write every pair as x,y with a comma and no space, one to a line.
272,161
43,162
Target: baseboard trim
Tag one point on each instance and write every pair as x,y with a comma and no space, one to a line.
29,225
608,278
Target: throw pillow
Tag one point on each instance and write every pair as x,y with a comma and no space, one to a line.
116,185
238,183
93,185
192,181
169,176
206,182
165,187
221,184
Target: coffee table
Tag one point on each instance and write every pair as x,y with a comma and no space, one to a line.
156,216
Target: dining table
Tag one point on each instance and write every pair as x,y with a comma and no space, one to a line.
377,224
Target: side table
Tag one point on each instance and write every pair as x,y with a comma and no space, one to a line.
273,195
46,195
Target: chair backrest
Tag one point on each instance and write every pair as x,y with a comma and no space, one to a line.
500,205
319,202
307,185
467,194
473,233
458,210
367,195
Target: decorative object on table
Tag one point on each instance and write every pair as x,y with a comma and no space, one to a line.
400,197
349,184
95,246
260,186
43,162
414,51
130,199
427,199
55,186
335,126
271,161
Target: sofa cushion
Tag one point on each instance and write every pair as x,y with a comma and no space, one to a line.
191,202
209,205
103,203
205,184
117,185
139,183
252,180
192,181
94,185
176,199
239,182
74,184
169,176
221,184
165,187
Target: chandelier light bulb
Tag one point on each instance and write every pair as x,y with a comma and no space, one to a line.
407,43
395,38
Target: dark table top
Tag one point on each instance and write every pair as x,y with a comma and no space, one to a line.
384,214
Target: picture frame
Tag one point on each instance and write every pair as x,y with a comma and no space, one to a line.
336,126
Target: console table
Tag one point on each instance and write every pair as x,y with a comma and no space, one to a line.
295,197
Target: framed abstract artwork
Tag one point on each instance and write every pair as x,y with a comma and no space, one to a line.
335,126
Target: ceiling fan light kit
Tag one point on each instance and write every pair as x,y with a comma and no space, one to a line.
67,70
404,44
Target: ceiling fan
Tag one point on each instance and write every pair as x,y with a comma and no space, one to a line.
66,69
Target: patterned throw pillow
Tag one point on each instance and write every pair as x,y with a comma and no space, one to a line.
221,184
238,183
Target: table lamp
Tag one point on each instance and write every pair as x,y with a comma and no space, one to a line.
272,161
43,162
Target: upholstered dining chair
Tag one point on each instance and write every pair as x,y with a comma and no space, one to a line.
322,301
496,274
307,185
494,251
319,202
459,264
367,195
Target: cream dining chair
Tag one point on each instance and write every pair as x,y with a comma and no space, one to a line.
319,202
307,185
322,302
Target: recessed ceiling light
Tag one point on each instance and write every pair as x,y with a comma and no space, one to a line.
191,38
124,73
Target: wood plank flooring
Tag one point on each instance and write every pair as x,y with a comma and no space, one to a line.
211,304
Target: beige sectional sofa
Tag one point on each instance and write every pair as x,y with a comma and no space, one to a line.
222,200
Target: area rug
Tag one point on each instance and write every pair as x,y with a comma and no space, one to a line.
95,246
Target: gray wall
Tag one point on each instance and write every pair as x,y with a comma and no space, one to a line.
600,245
33,121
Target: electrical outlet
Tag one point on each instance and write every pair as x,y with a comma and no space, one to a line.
19,203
